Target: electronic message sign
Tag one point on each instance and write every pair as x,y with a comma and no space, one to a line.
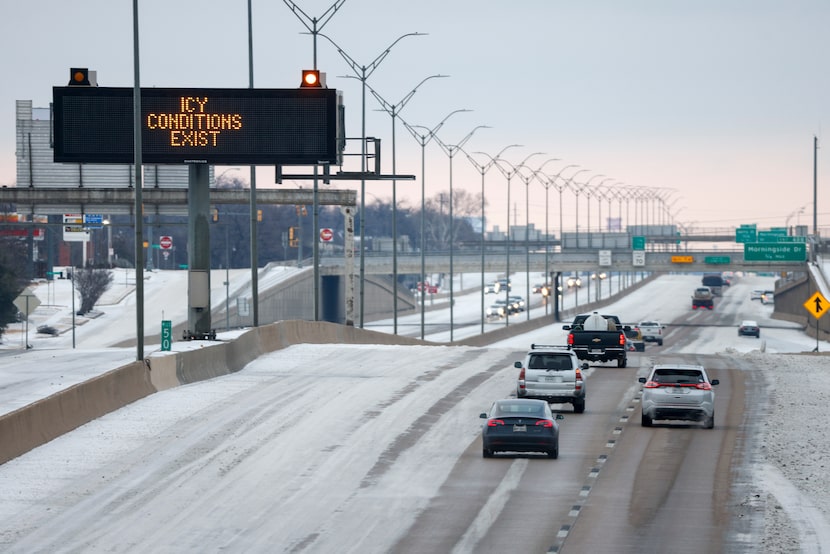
213,126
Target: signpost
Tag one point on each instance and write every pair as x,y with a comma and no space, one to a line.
638,258
166,242
93,221
27,302
817,306
746,233
638,243
605,258
775,252
682,259
326,235
717,260
166,334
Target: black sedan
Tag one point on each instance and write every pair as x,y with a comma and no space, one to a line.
520,425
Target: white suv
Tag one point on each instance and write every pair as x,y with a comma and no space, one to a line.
678,392
553,374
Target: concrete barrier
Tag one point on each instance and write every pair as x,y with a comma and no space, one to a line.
51,417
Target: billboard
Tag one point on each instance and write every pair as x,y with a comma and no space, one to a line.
212,126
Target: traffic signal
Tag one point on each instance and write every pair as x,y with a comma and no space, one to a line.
259,215
215,214
293,237
291,234
311,79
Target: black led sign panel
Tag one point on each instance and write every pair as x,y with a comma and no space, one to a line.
213,126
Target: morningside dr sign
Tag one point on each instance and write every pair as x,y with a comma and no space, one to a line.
775,252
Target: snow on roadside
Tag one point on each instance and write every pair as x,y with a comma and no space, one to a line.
793,445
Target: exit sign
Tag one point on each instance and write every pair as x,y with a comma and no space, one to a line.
775,252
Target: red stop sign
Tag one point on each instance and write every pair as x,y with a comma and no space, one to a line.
326,235
166,242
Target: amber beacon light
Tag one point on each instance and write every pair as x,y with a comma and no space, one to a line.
311,79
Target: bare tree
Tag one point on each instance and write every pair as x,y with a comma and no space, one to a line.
91,284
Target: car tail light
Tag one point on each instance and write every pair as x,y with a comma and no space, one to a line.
570,339
622,339
544,423
522,379
651,385
704,386
494,422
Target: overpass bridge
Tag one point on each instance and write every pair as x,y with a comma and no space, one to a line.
689,261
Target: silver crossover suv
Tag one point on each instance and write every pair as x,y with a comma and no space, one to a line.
678,392
553,374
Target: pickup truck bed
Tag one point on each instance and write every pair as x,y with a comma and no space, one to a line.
598,345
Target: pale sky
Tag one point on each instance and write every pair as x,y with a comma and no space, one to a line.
717,99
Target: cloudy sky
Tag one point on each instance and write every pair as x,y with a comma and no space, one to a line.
718,100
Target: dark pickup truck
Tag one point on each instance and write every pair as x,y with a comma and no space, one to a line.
594,340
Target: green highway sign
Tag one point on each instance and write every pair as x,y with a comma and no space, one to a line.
717,260
166,334
771,236
745,234
638,243
775,252
792,239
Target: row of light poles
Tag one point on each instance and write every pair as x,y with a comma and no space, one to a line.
423,135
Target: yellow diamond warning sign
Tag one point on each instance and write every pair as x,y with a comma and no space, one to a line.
816,305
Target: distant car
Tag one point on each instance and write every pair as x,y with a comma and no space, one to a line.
491,288
678,392
574,282
552,374
518,302
768,297
540,288
750,328
756,294
520,425
504,284
652,331
496,311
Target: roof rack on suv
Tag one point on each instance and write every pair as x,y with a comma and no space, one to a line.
560,346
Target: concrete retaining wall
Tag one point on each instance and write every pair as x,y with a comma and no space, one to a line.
47,419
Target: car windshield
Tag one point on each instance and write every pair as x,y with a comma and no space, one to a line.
674,376
556,362
520,409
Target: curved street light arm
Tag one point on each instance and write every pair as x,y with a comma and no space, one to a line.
364,71
323,19
424,139
514,168
411,93
452,149
492,160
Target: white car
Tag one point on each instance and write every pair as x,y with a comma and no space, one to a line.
756,294
768,297
678,392
652,331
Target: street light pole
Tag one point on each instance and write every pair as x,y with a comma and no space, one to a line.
451,150
363,72
423,140
484,169
509,174
310,23
394,110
